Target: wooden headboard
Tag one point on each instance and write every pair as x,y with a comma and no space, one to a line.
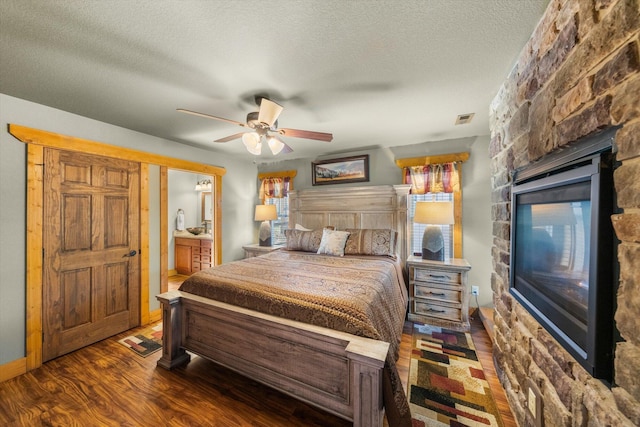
379,206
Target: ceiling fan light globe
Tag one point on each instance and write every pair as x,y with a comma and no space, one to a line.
257,150
275,145
251,140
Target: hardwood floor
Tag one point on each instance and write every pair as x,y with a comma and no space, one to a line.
176,281
106,384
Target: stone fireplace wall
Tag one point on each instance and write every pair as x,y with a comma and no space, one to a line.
578,73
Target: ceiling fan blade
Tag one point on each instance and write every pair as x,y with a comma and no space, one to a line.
286,149
230,137
307,134
269,111
208,116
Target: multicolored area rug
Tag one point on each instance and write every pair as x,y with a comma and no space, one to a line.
447,386
146,341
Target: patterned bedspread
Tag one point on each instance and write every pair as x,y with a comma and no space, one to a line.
360,295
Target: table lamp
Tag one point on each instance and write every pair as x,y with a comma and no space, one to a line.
265,213
434,214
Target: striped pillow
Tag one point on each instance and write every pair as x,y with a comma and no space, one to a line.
303,240
371,241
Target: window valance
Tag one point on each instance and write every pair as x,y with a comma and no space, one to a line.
275,184
438,178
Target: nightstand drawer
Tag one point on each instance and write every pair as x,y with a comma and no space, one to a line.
435,310
427,275
451,294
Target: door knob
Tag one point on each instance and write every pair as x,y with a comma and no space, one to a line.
132,253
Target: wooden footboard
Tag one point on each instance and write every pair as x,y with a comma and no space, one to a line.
335,371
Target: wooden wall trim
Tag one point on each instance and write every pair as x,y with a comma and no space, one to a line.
70,143
36,141
279,174
13,369
35,213
155,315
164,226
216,199
144,243
432,160
457,218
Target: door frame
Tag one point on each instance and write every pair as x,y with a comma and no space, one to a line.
36,141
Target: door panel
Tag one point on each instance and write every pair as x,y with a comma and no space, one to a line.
116,225
76,292
117,295
76,232
91,284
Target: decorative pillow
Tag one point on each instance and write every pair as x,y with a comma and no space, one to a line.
300,227
333,242
303,240
371,241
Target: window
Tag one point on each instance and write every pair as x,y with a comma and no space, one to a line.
282,223
274,190
435,186
417,230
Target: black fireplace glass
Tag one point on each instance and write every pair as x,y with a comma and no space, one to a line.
562,268
552,253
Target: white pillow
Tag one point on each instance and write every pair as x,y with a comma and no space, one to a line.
333,242
299,227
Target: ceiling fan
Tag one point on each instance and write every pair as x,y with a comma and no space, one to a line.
264,125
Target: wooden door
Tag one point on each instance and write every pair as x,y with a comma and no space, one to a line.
91,271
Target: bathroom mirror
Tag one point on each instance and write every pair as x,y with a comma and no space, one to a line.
207,206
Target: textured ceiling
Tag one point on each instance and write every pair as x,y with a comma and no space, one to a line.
373,73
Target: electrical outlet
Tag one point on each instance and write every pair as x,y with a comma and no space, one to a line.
475,290
534,403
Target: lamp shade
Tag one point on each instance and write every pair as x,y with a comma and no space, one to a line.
266,212
440,213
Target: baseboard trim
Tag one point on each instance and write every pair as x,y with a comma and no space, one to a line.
155,315
486,316
13,369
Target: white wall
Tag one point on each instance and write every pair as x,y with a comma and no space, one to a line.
238,193
476,220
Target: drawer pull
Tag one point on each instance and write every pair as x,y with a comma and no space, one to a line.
438,294
437,276
435,311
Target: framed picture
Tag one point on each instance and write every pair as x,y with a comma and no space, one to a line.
341,171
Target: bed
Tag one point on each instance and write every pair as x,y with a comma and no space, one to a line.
341,366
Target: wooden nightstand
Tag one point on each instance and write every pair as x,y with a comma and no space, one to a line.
256,249
438,292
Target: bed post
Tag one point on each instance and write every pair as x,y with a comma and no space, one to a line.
173,354
367,371
402,226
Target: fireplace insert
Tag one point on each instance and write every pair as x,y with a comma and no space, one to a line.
563,262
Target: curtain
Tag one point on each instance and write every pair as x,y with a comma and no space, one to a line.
436,178
274,188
